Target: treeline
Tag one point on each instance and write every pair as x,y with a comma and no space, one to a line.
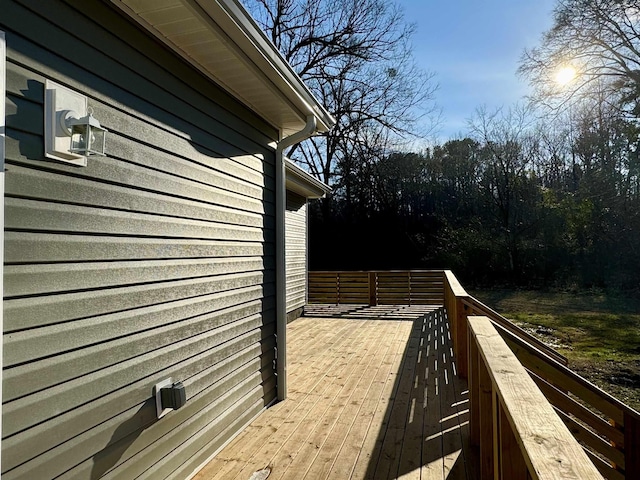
555,203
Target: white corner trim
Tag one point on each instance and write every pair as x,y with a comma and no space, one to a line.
3,94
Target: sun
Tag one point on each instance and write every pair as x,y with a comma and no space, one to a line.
565,75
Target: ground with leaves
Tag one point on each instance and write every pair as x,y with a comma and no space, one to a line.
598,333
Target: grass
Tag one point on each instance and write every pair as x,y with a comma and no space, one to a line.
599,334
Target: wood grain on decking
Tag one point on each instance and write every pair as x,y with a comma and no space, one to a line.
372,395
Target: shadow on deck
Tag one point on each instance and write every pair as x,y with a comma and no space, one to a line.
373,394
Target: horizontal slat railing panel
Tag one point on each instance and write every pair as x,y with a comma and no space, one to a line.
570,406
478,308
561,376
622,420
605,468
597,414
377,287
546,447
592,440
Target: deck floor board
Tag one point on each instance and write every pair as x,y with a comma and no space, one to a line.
372,395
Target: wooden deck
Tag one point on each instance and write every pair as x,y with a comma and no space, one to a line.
372,394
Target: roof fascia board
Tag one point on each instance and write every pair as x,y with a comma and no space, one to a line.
241,45
303,183
234,26
255,44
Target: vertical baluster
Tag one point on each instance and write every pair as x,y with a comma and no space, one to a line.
373,298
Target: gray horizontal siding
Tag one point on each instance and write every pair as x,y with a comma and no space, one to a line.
151,80
296,254
42,279
156,261
124,429
40,247
28,214
30,312
66,364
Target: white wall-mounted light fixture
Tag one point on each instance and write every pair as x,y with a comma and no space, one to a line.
71,132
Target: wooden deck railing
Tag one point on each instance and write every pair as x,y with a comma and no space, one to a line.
460,305
607,428
408,287
515,428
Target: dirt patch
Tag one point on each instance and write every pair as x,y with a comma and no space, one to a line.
620,380
546,335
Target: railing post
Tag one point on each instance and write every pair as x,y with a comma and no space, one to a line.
631,446
450,306
474,393
457,312
373,297
462,354
452,314
488,419
512,465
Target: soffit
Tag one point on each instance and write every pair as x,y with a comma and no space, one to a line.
220,39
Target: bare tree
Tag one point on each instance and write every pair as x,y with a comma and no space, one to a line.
355,55
509,146
600,40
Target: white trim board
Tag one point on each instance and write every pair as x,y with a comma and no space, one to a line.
3,94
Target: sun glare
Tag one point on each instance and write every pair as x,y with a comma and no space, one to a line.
564,75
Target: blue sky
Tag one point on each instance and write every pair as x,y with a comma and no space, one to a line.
474,47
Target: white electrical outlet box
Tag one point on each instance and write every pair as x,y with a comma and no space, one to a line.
160,412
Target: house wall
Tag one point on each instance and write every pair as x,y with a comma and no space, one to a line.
296,252
156,261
